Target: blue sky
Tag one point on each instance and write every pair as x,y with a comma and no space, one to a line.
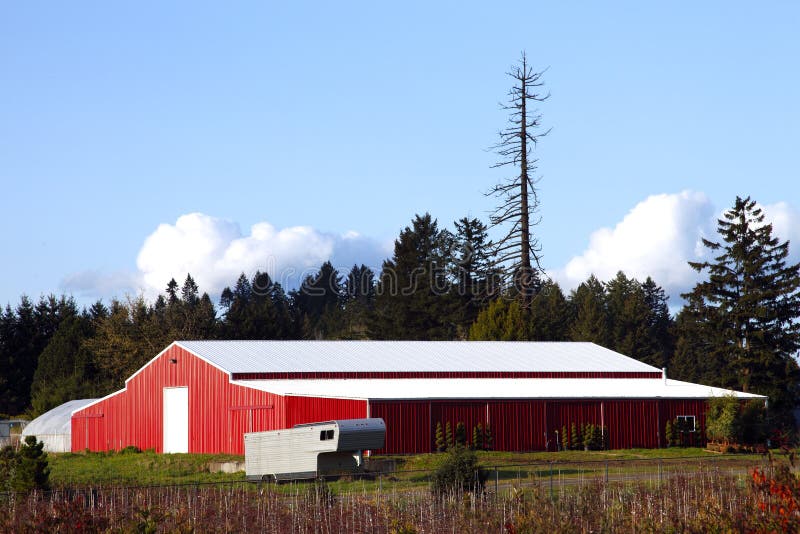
140,141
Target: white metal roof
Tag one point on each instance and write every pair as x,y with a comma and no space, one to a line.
411,356
56,421
493,388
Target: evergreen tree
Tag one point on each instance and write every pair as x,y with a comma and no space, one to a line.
660,326
448,435
477,281
460,434
318,295
359,302
502,320
414,298
24,333
32,470
441,443
748,311
550,314
591,315
65,370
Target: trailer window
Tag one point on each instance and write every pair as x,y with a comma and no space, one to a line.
325,434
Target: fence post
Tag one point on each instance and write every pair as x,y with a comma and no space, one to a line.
496,481
380,482
660,469
606,471
551,480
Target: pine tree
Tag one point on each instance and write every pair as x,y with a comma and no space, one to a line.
65,370
748,310
414,297
502,320
591,315
488,439
441,443
550,314
448,435
461,434
519,250
477,281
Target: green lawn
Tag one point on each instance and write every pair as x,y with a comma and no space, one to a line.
136,468
148,468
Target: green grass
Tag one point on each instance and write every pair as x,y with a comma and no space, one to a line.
136,468
490,459
412,471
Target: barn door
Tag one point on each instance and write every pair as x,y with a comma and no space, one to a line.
176,419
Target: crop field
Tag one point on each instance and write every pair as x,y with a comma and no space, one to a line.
627,491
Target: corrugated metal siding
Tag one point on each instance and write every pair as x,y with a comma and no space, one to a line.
314,409
219,412
408,427
525,425
443,375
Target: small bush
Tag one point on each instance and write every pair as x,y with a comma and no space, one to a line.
457,472
25,469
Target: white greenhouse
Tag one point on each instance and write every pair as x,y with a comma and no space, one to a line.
54,428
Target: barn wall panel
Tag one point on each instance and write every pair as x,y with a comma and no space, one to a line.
408,426
313,409
219,412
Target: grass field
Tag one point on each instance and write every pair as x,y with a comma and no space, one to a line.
148,468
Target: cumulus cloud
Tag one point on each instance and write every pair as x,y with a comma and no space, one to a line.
658,238
215,252
785,221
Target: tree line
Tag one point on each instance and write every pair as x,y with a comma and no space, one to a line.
738,329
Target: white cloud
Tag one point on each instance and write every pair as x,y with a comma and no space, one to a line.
656,238
785,225
215,252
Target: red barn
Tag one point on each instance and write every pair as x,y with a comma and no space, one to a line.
202,396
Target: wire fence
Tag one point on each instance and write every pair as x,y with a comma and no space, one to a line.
555,475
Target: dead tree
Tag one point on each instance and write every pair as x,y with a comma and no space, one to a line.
519,252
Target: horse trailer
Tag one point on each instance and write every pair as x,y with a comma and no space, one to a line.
312,450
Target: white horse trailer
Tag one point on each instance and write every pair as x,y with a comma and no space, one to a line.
311,450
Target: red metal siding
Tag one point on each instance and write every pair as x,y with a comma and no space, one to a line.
325,375
220,412
524,425
408,425
312,409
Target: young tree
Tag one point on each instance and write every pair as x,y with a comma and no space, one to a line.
519,250
501,320
748,310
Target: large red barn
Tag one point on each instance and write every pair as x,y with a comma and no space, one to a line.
202,396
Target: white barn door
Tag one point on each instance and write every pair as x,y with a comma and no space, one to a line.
176,419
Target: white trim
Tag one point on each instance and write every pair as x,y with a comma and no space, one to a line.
98,401
176,344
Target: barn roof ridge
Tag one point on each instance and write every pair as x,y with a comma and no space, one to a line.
334,356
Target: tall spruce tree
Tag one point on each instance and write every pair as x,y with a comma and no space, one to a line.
747,311
519,250
550,314
477,280
591,314
414,298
